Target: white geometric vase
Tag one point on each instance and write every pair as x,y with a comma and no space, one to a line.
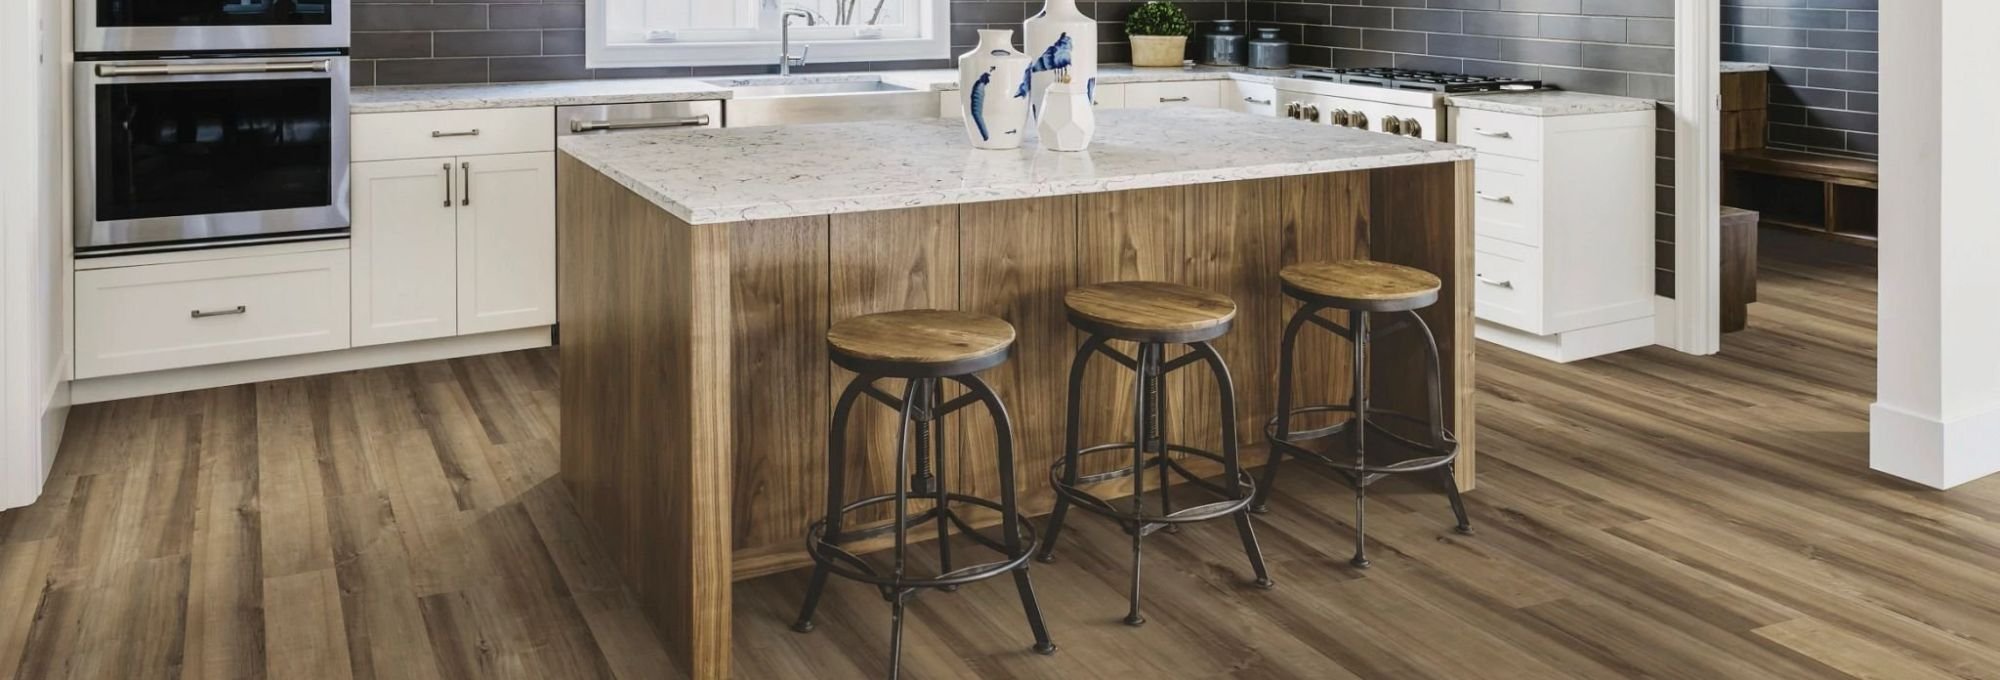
1060,40
1066,122
988,76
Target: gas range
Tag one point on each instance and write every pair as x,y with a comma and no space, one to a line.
1426,81
1391,101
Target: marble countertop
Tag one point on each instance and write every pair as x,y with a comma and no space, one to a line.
1743,67
709,176
1550,103
389,99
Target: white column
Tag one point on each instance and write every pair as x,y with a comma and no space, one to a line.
1936,418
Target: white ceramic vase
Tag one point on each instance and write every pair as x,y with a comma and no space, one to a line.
1060,40
988,77
1066,122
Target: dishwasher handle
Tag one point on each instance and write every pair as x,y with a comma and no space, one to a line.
579,126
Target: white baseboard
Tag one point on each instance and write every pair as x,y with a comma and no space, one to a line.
1936,453
95,390
1573,345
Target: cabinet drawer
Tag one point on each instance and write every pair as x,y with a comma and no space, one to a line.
1498,133
156,317
433,134
1109,96
1508,199
1508,285
1257,98
1153,95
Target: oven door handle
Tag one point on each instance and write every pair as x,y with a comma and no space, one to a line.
117,71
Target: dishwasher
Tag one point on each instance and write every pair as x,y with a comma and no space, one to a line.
607,118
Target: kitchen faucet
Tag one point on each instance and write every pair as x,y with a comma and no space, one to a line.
785,59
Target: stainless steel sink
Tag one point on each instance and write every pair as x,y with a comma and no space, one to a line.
792,101
794,89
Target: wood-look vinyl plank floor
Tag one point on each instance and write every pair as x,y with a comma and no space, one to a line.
1649,514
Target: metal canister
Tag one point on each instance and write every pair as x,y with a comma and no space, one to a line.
1267,50
1225,44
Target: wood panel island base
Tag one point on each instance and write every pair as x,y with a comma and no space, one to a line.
696,390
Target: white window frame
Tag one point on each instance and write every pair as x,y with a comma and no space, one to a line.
933,42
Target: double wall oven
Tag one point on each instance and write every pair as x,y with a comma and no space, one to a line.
207,123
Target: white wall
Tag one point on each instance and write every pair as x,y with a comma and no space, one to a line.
34,269
1936,419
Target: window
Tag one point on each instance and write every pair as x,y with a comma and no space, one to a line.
742,32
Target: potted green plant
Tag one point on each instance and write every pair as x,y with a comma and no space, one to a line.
1159,33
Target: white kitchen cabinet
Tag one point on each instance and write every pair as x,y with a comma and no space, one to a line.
155,317
1110,96
1564,219
1197,93
404,250
506,242
453,246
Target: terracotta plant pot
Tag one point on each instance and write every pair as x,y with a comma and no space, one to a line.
1158,50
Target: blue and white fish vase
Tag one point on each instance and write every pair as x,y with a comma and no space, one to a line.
988,76
1061,40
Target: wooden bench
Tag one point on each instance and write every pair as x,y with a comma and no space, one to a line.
1739,267
1777,183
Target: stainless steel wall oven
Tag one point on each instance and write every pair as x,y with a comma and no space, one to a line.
134,26
196,152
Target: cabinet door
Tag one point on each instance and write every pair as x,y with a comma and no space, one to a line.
506,242
405,249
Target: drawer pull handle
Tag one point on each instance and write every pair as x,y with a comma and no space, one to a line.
1502,134
200,314
1501,284
463,133
1170,100
1260,102
1496,199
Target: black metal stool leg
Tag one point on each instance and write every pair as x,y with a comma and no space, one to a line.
1148,362
1156,386
1232,466
836,485
1262,503
897,605
1072,442
1010,514
933,431
1358,322
1434,383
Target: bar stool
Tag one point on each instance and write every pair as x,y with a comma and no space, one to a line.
1362,288
926,348
1154,315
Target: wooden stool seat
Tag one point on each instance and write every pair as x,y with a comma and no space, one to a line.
1150,311
1364,285
920,343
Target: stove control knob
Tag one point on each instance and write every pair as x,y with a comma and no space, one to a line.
1392,125
1413,128
1358,119
1292,110
1339,117
1312,113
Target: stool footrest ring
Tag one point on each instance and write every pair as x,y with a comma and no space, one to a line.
827,551
1246,488
1441,454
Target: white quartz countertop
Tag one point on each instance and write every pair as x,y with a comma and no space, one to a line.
707,176
1550,103
396,98
1743,67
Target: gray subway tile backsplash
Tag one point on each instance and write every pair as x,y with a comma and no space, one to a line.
402,42
1824,57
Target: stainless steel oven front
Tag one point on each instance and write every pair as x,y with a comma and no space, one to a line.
210,25
187,153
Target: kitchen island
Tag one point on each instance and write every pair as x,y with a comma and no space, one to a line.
700,269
